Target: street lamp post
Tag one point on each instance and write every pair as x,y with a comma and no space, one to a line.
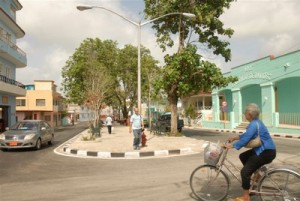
139,27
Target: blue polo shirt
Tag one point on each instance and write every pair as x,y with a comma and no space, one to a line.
251,133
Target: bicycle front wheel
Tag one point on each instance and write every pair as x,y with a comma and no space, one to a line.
209,184
280,184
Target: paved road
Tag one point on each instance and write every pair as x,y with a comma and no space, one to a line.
43,175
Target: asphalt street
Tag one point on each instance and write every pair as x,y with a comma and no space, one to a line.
27,175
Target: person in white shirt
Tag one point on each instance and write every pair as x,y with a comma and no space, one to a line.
136,126
108,122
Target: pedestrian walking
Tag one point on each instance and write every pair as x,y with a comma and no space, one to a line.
136,126
108,122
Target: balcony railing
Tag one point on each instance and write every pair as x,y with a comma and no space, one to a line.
11,81
3,37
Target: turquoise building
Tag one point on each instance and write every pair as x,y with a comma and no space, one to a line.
11,58
273,83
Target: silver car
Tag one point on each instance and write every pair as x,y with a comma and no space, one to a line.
27,134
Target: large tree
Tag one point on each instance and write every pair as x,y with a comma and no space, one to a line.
186,72
125,75
86,79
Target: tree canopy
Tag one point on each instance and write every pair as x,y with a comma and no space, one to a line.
99,72
186,72
90,60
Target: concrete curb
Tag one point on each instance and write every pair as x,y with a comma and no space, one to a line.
281,135
67,150
127,155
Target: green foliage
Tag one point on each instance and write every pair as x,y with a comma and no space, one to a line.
125,74
186,74
99,72
167,108
191,111
207,27
92,58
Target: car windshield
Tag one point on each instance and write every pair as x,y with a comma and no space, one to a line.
25,126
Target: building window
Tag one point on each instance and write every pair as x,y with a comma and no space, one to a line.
21,102
40,102
55,102
4,99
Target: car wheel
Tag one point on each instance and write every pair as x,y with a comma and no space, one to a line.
38,144
4,149
51,141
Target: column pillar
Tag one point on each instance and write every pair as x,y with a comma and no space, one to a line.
215,107
268,103
237,106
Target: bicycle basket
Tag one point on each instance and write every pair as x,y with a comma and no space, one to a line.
212,153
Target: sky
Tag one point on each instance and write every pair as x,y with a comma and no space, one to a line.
55,28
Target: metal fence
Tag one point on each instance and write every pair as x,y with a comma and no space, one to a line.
289,119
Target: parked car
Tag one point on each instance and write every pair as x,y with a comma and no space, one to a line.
27,134
163,123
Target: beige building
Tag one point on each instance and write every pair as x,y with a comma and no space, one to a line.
42,101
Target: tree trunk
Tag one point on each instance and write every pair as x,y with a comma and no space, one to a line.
173,104
124,111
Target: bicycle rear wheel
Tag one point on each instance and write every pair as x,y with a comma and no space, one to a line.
208,183
280,184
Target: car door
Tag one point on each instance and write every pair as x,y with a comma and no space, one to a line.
45,132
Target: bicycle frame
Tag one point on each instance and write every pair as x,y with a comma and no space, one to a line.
224,162
228,165
275,183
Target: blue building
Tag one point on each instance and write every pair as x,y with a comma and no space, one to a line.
270,82
11,58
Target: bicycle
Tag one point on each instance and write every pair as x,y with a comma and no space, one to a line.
210,182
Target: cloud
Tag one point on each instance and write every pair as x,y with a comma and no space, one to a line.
262,28
55,28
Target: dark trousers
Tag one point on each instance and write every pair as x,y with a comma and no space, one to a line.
137,137
252,162
109,129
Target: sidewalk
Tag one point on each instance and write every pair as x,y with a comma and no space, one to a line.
119,145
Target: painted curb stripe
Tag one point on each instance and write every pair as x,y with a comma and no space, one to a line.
274,135
148,153
127,154
172,152
117,155
104,155
161,153
132,155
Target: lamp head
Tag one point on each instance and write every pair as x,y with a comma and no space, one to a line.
84,7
